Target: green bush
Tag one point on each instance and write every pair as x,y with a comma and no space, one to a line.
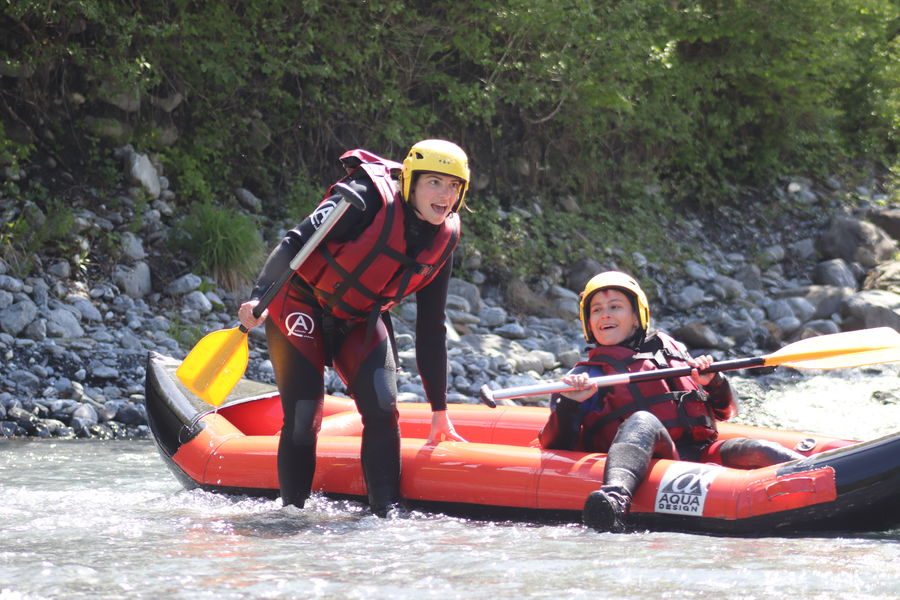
574,95
224,244
32,231
522,243
698,98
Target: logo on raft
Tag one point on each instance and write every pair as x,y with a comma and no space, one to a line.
683,488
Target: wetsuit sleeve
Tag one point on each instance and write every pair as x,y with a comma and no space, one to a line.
349,226
560,432
721,398
431,337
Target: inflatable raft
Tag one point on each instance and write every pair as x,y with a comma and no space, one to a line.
501,472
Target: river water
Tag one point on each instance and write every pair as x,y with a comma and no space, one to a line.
90,519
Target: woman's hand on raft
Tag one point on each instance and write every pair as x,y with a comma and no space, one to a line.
582,387
442,429
245,315
699,363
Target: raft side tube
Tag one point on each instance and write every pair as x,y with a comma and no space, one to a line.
470,473
477,423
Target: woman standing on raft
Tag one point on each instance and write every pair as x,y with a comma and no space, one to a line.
334,311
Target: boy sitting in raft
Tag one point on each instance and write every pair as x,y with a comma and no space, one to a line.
669,418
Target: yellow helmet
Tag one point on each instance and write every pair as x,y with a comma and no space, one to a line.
612,279
436,156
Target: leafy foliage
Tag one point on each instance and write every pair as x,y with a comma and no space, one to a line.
601,100
224,243
33,231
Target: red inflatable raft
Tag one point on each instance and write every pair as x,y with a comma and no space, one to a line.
501,472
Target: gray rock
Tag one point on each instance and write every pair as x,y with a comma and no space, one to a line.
818,327
697,334
458,303
87,414
750,276
802,308
16,317
698,272
133,246
492,316
104,372
86,309
834,272
689,297
872,308
886,276
778,309
804,249
142,171
11,284
63,323
731,287
131,414
60,269
466,290
772,255
855,240
184,284
887,219
134,280
246,198
512,331
197,301
36,330
788,325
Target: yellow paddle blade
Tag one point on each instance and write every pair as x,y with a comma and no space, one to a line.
215,365
840,350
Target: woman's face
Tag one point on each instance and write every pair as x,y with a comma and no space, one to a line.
434,196
612,318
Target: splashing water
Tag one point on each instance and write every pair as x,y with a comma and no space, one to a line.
88,519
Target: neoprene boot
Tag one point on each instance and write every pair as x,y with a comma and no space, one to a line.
385,499
607,509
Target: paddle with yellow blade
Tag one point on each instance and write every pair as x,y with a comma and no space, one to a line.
218,361
833,351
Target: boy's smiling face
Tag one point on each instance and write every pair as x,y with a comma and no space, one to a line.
612,318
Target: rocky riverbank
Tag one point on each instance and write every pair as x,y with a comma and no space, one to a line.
802,260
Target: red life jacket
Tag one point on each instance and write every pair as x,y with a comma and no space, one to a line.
678,402
368,275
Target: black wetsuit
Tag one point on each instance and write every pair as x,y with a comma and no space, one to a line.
302,340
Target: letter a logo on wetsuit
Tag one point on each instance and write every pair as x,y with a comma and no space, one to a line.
321,213
299,324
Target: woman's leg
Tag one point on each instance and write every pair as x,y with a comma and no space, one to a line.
641,437
366,363
298,362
